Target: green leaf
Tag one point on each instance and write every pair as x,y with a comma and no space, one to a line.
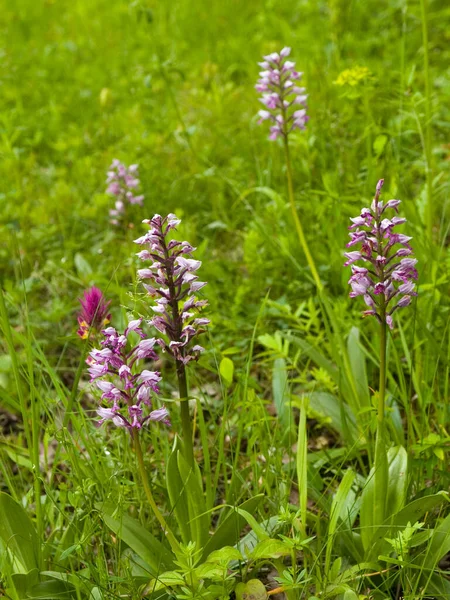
438,546
281,395
379,144
339,414
157,556
397,481
177,493
340,510
226,369
210,571
367,524
224,555
199,518
256,527
269,549
52,590
371,531
171,578
230,529
19,535
23,582
252,590
84,269
415,510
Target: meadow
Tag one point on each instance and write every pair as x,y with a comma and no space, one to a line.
219,421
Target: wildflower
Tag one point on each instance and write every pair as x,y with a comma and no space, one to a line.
94,312
174,281
387,282
353,77
126,388
283,99
122,182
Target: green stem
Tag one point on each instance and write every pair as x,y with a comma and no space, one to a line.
428,151
148,492
298,225
380,463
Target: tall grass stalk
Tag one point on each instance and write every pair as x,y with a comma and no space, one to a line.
429,215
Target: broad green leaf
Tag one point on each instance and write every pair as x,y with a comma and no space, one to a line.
230,529
339,511
379,144
177,493
415,510
252,590
23,582
171,578
199,518
436,586
371,530
273,342
269,549
53,590
226,369
84,269
224,555
210,571
339,414
96,594
157,556
18,534
397,482
439,545
367,525
281,396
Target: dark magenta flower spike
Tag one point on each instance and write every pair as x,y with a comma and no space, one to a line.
94,313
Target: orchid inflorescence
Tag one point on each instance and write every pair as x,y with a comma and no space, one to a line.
122,182
126,387
387,283
173,285
281,95
94,315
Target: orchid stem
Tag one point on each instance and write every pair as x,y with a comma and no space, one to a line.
380,461
298,225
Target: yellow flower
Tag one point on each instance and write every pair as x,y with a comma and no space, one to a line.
353,77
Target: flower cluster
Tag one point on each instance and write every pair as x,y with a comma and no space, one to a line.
126,388
94,314
284,100
122,182
387,283
173,285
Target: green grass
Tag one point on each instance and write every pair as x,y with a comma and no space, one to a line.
170,86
